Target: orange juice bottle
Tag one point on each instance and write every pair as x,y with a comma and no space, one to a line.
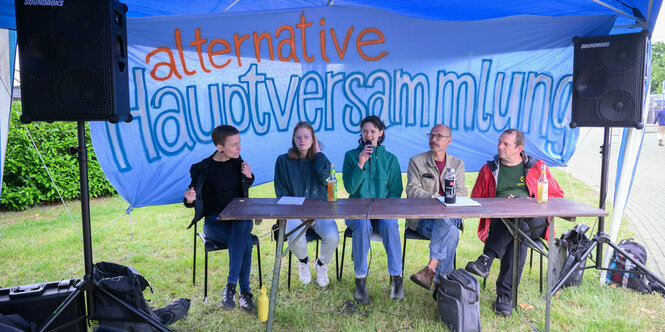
332,185
541,195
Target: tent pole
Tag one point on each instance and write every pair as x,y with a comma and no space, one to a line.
640,21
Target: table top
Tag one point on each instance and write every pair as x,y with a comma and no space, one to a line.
416,208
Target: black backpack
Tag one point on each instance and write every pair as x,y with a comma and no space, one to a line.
458,300
127,284
634,281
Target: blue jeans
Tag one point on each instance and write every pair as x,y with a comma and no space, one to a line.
325,228
237,235
389,231
444,236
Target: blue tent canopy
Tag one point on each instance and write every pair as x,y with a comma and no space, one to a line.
462,10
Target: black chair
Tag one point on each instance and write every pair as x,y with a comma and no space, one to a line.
311,235
541,244
348,233
410,234
210,245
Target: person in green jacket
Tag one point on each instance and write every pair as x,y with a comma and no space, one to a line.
370,171
302,172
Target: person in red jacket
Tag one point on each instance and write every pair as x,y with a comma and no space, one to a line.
511,174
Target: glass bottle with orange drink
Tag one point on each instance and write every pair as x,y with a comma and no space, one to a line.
332,185
541,195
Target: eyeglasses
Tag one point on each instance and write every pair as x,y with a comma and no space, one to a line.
437,136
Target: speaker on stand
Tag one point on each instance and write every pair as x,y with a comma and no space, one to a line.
73,56
609,77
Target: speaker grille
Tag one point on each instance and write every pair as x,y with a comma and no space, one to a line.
608,81
68,56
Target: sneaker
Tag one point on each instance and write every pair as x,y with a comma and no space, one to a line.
502,306
321,275
481,267
246,302
424,277
360,294
228,295
396,287
303,273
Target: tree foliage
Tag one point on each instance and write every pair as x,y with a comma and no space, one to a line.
25,182
657,67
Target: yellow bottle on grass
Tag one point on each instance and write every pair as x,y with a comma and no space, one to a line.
263,305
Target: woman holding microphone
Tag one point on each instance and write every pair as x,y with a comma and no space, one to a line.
370,171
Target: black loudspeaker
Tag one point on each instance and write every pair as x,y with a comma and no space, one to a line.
73,57
35,303
609,80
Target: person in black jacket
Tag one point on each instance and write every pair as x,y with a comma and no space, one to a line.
216,180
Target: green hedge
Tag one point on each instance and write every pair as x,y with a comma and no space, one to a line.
25,182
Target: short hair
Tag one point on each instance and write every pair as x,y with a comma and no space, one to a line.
294,153
444,127
375,121
221,133
519,136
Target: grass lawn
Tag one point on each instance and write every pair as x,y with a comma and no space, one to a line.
43,244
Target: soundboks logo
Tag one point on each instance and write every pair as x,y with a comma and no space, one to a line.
595,45
52,3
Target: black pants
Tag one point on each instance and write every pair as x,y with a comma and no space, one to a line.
500,242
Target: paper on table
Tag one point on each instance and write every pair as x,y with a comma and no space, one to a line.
290,200
460,201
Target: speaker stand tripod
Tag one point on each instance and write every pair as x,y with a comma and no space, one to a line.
601,238
87,285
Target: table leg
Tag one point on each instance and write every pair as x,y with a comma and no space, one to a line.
516,260
275,273
548,293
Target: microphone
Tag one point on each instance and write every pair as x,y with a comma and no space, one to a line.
369,142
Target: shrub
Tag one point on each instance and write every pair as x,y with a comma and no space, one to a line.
25,182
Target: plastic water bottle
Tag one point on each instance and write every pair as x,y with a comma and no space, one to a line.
450,188
263,305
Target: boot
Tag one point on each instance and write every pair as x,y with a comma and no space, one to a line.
660,142
397,288
424,277
360,294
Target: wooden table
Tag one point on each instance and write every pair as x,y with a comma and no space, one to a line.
412,208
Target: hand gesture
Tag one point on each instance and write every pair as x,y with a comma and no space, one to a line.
246,170
190,195
364,155
317,147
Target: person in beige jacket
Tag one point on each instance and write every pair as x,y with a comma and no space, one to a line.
424,176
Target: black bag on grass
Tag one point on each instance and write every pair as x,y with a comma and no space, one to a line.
127,284
458,300
634,281
572,244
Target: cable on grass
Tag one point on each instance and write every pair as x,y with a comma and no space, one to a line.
351,307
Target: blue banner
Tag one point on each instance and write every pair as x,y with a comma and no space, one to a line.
331,66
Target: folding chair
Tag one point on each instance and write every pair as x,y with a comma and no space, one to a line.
311,235
209,246
348,233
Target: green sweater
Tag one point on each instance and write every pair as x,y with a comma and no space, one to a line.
386,181
301,177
